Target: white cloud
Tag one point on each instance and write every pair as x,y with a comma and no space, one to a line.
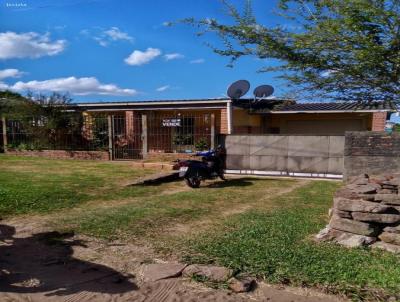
163,88
11,73
137,57
115,34
197,61
173,56
110,35
28,45
73,85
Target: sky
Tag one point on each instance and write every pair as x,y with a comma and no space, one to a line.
120,50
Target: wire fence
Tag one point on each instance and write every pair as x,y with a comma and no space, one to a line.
127,135
75,133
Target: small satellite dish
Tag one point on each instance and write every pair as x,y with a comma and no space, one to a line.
263,91
238,89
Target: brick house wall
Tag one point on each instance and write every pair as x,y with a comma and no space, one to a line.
378,121
224,121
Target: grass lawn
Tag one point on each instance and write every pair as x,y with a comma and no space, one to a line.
259,226
40,185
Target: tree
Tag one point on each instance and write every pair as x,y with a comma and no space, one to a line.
339,49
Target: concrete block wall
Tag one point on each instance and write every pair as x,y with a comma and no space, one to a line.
285,153
373,153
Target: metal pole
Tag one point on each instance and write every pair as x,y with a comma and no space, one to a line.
212,131
144,135
4,127
229,116
110,136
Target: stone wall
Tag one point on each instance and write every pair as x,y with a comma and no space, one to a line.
64,154
372,153
366,212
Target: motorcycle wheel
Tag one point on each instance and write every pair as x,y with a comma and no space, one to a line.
222,176
193,182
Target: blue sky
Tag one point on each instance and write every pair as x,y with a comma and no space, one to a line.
108,50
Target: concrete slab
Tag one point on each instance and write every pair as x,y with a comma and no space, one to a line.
308,164
268,163
268,145
308,146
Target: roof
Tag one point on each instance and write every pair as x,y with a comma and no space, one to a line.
152,104
329,107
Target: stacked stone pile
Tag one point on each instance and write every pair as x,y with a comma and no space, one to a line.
366,212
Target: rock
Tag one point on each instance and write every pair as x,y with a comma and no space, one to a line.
341,214
353,226
354,205
392,229
242,284
324,234
363,189
344,238
386,246
360,180
388,198
373,217
354,240
349,194
384,191
159,271
392,238
211,273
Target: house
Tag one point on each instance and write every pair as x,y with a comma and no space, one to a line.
155,128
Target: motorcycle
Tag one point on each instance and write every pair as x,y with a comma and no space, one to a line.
211,166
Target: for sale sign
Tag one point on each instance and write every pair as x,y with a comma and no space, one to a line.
171,122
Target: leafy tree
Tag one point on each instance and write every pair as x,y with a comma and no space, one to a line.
338,49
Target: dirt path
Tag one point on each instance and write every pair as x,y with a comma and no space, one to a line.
49,266
199,225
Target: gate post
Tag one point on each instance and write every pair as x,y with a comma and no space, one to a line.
212,131
144,135
4,128
110,136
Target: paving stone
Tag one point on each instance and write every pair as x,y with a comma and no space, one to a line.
353,226
158,271
392,229
211,273
386,246
392,238
373,217
363,189
354,205
388,198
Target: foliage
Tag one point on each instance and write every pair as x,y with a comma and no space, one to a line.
202,144
339,49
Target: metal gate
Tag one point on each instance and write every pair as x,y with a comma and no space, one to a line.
127,137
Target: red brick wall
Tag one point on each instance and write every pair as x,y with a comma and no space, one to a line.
378,121
63,154
224,121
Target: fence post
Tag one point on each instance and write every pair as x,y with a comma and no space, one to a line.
4,128
212,131
144,135
110,136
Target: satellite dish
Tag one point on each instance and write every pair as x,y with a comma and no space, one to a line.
263,91
238,89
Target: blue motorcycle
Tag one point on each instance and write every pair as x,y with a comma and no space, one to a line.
211,166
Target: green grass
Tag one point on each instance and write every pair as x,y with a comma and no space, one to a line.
39,185
276,245
152,216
